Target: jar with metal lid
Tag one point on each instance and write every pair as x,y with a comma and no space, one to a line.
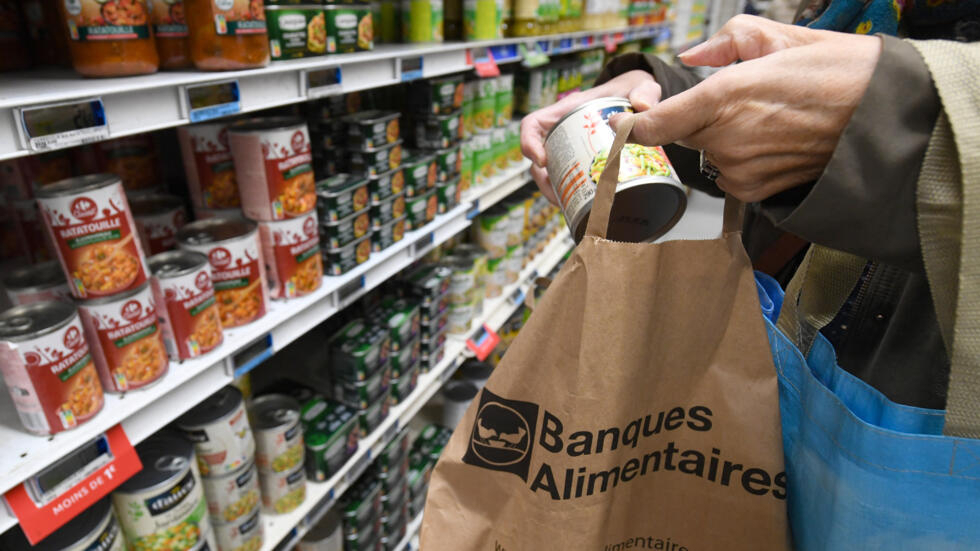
37,283
110,38
47,367
227,34
170,31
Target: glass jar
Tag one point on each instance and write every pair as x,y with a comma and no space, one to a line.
170,31
110,38
227,34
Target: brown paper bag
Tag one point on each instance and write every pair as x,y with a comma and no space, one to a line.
637,409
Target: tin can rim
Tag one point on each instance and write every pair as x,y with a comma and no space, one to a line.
152,477
611,100
265,403
45,275
77,184
217,407
215,230
176,263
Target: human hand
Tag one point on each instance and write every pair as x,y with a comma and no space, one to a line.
638,86
772,122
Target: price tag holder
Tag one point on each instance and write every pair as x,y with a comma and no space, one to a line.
411,68
422,244
319,510
324,82
62,124
517,297
49,499
505,53
349,291
586,41
252,355
483,341
212,100
533,56
475,211
484,63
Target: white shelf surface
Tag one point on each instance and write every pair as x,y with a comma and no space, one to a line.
150,102
411,532
143,412
283,531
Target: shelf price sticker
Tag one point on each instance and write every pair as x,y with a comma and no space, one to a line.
533,56
212,100
421,245
251,356
59,493
411,68
483,341
349,291
483,62
505,53
63,125
475,211
323,82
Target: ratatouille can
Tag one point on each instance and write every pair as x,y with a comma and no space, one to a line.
208,165
158,217
186,305
291,249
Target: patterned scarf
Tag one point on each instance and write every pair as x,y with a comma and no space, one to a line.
883,16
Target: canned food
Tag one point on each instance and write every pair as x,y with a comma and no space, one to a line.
372,129
163,505
421,210
291,249
371,417
219,428
420,173
384,186
439,131
498,142
405,358
431,359
394,508
325,535
350,28
233,495
278,434
274,164
342,260
340,233
464,278
400,317
485,104
469,106
331,440
132,158
158,217
126,340
492,230
237,266
37,283
504,100
422,20
393,479
394,453
449,162
361,394
514,263
460,317
483,165
358,350
244,534
435,342
370,542
496,277
296,31
282,492
404,385
94,529
388,234
429,283
387,210
341,195
438,317
208,165
47,367
201,213
92,228
448,195
361,507
375,161
514,142
186,305
653,199
437,96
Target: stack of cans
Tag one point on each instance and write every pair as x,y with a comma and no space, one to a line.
360,366
429,286
402,318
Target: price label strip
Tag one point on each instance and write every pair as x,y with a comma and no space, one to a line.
349,291
63,124
324,82
411,68
252,355
483,341
46,501
213,100
422,244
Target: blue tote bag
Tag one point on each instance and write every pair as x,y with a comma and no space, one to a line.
864,472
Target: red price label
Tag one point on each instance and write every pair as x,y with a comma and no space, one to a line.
483,342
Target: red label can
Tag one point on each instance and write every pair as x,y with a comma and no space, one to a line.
291,249
208,165
133,159
158,217
126,339
237,270
92,228
47,367
274,164
186,304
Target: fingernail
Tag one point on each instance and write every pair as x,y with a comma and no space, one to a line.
694,50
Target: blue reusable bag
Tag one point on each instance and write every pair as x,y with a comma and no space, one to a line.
864,472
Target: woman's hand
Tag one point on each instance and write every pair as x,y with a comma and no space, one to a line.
772,122
638,86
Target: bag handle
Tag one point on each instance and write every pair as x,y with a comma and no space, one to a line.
605,191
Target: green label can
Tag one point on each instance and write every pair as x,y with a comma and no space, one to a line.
296,31
350,28
422,20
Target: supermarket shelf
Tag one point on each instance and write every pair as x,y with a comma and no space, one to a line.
144,412
150,102
283,531
410,533
499,187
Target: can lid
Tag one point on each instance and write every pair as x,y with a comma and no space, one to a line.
38,276
212,230
154,204
176,263
77,184
33,320
75,530
266,123
165,456
337,183
274,410
215,407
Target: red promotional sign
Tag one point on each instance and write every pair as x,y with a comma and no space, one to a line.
483,342
38,520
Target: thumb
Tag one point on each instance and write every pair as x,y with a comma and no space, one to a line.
676,119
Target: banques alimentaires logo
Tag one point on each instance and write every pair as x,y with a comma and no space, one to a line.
508,436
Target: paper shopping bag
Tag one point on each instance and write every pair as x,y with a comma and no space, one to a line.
637,409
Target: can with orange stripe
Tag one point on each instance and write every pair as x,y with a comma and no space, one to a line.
649,198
